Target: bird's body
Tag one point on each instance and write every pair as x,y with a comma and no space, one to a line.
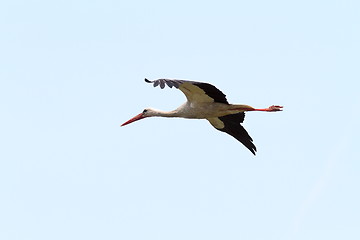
200,110
204,101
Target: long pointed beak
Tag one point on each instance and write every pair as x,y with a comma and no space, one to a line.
137,117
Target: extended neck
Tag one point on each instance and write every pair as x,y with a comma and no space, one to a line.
159,113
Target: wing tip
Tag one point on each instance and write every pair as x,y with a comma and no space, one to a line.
253,150
251,146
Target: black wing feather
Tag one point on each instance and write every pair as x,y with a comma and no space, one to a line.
235,129
212,92
209,89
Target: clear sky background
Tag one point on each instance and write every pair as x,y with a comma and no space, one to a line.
72,71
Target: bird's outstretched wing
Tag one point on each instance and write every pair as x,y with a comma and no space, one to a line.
231,124
194,91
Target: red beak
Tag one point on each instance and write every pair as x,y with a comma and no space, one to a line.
137,117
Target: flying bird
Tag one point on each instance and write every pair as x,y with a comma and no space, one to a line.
205,101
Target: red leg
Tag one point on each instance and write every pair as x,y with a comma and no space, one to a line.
273,108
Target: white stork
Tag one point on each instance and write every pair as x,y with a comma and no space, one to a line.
204,101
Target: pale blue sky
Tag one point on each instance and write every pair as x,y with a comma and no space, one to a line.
72,71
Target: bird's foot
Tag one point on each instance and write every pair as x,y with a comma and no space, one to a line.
274,108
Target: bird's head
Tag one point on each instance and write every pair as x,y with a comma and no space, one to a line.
148,112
